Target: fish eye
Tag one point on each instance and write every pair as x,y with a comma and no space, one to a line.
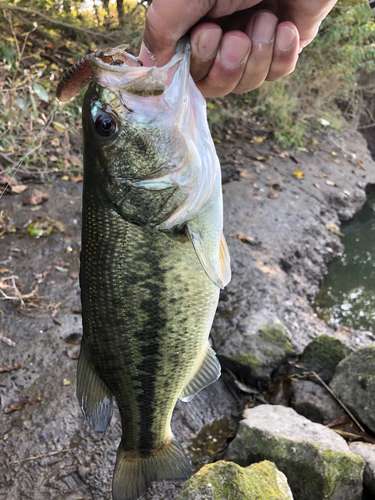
105,125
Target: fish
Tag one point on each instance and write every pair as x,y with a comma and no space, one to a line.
153,256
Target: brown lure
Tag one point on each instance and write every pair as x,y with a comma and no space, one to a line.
80,74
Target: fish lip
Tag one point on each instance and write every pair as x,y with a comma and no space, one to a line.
122,77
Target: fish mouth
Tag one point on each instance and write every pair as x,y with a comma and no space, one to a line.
139,80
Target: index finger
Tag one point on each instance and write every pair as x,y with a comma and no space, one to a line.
168,20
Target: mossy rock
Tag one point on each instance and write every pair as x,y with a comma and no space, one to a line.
317,462
261,344
354,383
228,481
323,355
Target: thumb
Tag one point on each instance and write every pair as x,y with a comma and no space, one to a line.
166,22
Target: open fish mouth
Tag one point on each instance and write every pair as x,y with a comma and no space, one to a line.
165,97
117,70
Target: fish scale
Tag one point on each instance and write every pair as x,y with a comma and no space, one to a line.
121,280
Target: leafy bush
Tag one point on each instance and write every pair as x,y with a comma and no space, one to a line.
327,73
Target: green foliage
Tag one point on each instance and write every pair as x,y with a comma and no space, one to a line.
328,71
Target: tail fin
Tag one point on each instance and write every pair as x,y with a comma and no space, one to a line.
133,476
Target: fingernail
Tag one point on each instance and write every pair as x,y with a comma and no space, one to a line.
284,38
234,50
208,43
263,30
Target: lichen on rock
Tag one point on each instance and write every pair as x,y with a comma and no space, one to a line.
228,481
261,344
317,462
367,452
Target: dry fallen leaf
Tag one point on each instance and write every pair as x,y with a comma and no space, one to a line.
347,193
247,239
75,161
66,382
74,338
345,427
295,159
73,352
35,199
258,139
246,175
317,186
334,229
43,226
19,188
330,183
277,187
299,174
3,271
78,178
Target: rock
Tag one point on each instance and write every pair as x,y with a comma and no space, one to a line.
314,402
261,344
317,462
228,481
354,383
323,355
367,452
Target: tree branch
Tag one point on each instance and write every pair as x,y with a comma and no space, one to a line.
86,31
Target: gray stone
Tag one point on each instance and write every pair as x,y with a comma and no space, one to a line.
314,402
228,481
323,355
261,344
367,452
317,462
354,383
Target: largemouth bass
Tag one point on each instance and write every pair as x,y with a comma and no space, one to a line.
153,256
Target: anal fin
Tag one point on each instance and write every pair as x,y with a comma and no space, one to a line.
134,474
207,373
93,395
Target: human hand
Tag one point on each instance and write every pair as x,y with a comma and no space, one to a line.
235,48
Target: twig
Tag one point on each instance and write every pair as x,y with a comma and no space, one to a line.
338,400
333,395
53,21
17,294
34,458
366,126
32,150
9,19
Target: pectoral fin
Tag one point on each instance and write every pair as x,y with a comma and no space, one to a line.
225,272
197,242
93,395
208,372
